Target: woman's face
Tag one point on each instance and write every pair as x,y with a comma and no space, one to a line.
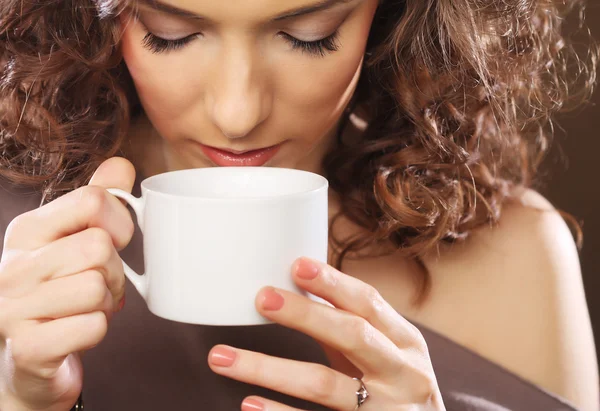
243,75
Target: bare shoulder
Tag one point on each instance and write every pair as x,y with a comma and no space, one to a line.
518,299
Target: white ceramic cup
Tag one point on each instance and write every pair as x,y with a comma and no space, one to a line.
214,237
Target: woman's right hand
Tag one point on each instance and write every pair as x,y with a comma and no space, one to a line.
61,279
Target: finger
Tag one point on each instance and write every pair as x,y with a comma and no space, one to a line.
262,404
312,382
116,172
90,206
91,249
350,294
365,346
42,348
67,296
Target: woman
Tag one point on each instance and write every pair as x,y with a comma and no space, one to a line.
461,287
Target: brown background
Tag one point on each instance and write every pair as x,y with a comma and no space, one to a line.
575,187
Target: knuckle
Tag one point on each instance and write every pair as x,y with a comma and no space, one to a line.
421,345
373,301
330,276
128,227
418,341
45,373
93,199
20,350
323,384
97,326
95,288
6,278
97,246
13,270
6,316
308,316
257,366
359,332
425,389
16,225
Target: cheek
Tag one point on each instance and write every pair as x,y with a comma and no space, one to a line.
162,82
319,90
325,89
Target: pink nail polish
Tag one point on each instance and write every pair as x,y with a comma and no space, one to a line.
121,304
251,404
222,357
272,300
307,270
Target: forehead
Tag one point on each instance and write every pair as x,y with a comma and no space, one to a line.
242,10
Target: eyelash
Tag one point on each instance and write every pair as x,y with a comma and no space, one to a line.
159,45
318,48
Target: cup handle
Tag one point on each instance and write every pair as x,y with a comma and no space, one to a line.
140,281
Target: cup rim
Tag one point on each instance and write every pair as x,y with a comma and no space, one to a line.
323,184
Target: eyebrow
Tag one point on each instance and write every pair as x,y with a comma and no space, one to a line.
313,8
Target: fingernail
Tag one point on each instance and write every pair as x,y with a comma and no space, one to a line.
121,304
272,300
222,357
307,270
250,404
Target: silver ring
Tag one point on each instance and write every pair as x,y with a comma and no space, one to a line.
361,395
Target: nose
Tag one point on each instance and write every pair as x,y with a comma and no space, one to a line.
239,101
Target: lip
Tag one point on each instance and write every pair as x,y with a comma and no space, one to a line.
239,158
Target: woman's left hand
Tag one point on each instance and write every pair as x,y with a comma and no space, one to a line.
385,350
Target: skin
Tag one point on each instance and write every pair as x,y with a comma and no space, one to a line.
244,87
44,321
241,83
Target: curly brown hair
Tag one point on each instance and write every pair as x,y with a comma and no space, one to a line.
458,97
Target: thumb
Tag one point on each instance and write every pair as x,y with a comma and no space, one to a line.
116,172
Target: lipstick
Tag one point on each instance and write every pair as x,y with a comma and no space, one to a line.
252,158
